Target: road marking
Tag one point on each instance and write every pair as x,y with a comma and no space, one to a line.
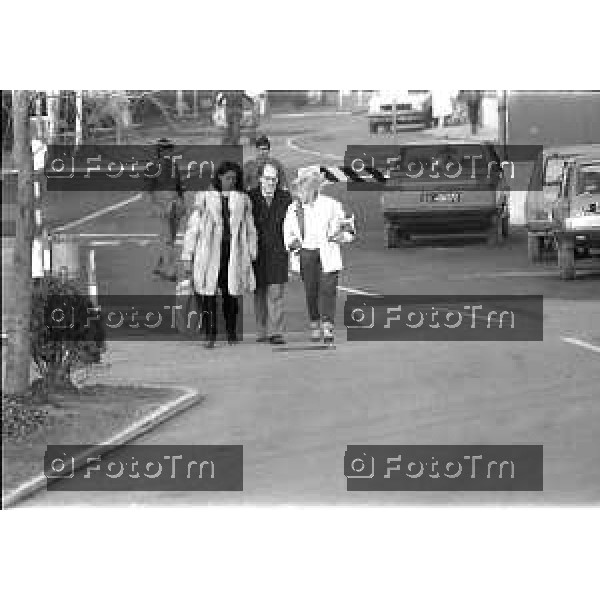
503,274
99,213
311,114
293,146
581,343
359,292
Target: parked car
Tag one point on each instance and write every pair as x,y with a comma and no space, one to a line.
443,206
413,110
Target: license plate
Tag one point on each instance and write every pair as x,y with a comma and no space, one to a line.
445,198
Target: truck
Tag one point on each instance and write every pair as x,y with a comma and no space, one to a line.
562,204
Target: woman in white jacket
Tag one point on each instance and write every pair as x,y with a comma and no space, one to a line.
314,228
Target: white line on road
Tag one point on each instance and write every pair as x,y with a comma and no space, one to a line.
581,343
99,213
360,292
293,146
313,114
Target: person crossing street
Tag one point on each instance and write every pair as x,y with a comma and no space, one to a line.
269,206
314,228
166,195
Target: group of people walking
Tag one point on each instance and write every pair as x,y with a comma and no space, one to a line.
247,232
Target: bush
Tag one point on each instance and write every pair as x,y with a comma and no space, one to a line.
21,417
65,331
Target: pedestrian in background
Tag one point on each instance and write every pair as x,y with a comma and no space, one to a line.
219,247
314,228
269,205
166,195
473,99
253,167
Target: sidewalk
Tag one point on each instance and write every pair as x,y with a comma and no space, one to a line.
462,133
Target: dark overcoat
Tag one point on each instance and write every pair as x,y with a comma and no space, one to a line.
272,259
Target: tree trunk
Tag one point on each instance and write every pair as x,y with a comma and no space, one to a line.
19,355
233,115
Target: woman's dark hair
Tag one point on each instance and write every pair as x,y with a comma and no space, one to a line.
224,167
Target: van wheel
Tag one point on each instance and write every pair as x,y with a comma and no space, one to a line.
534,248
494,235
566,258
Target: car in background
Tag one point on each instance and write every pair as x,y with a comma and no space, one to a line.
473,203
413,110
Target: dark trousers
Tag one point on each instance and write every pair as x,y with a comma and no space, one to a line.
320,288
209,310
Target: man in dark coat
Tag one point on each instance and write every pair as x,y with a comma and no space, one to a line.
269,207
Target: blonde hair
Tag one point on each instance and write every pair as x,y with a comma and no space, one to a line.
308,179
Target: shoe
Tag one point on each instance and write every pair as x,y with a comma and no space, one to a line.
261,339
328,333
158,272
210,344
315,332
276,339
232,340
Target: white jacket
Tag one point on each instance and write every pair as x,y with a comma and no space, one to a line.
328,213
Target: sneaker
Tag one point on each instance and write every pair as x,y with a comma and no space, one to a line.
328,332
232,339
277,339
262,339
315,332
210,344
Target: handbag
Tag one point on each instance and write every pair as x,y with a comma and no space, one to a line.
188,318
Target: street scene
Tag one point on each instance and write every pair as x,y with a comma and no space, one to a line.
315,226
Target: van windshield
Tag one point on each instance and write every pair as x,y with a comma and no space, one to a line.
589,180
553,172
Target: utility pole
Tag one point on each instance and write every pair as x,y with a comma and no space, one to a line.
19,356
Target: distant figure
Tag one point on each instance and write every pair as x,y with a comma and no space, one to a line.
253,167
473,98
166,194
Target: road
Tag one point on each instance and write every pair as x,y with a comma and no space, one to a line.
295,412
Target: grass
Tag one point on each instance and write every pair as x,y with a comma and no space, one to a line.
89,416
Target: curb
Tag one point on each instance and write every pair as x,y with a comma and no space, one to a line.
163,413
331,113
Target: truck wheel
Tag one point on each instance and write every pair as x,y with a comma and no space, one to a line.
494,235
390,236
534,247
566,258
505,227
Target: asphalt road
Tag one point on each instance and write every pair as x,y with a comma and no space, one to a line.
295,412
